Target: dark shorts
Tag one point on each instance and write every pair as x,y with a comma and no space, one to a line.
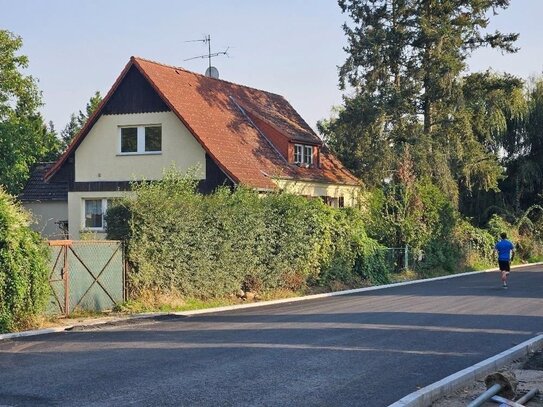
505,265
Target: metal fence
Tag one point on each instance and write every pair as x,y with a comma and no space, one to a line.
86,275
404,258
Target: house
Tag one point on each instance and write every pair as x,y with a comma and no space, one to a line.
157,115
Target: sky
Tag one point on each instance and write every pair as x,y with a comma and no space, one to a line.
289,47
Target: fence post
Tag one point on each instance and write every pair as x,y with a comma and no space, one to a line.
406,257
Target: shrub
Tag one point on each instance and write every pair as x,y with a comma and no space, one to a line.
213,245
24,285
476,245
526,233
117,217
352,256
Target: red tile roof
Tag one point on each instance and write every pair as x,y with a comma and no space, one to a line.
214,112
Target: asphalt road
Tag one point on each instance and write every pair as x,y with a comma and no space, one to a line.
366,349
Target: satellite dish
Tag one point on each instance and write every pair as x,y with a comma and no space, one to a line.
212,72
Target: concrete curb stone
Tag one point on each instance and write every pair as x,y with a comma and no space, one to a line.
427,395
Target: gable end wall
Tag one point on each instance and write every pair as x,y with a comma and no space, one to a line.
135,95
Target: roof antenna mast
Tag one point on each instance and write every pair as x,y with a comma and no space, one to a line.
211,71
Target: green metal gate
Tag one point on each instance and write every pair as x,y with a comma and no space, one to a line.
85,275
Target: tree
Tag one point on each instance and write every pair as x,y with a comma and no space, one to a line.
369,131
405,60
77,122
495,108
523,146
24,137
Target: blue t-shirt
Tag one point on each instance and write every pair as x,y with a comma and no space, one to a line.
504,248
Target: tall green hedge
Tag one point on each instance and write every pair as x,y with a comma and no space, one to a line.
24,257
212,245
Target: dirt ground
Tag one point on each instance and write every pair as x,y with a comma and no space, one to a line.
528,371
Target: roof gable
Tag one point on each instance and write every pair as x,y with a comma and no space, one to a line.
134,95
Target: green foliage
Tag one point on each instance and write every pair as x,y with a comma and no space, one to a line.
19,93
77,122
436,146
404,64
476,245
526,233
210,246
24,285
117,217
24,141
24,137
523,144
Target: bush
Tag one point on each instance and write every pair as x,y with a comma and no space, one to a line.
476,245
117,217
24,285
526,233
213,245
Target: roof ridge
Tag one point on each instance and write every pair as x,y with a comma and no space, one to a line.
201,75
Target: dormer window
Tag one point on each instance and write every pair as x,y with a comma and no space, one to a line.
303,154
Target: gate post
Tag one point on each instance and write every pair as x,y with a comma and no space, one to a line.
64,245
66,282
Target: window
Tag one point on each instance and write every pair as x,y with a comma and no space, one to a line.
308,155
129,140
303,154
95,210
298,149
331,201
141,139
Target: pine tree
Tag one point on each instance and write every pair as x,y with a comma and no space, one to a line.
404,64
77,122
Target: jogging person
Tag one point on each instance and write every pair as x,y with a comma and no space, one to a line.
506,254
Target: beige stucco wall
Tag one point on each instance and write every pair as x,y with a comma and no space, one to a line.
45,214
98,157
351,194
76,212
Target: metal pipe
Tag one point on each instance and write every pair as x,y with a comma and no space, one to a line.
527,396
487,395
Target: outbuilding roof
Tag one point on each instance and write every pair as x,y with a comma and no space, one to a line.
37,190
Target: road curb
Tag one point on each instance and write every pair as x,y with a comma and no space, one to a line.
98,322
427,395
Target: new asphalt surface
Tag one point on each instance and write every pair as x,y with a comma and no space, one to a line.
365,349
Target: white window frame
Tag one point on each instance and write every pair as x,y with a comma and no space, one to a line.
298,155
308,158
84,214
301,155
140,142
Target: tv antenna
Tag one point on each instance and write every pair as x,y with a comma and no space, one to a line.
211,71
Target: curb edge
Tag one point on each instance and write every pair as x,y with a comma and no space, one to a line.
427,395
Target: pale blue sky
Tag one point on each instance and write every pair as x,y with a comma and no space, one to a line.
290,47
